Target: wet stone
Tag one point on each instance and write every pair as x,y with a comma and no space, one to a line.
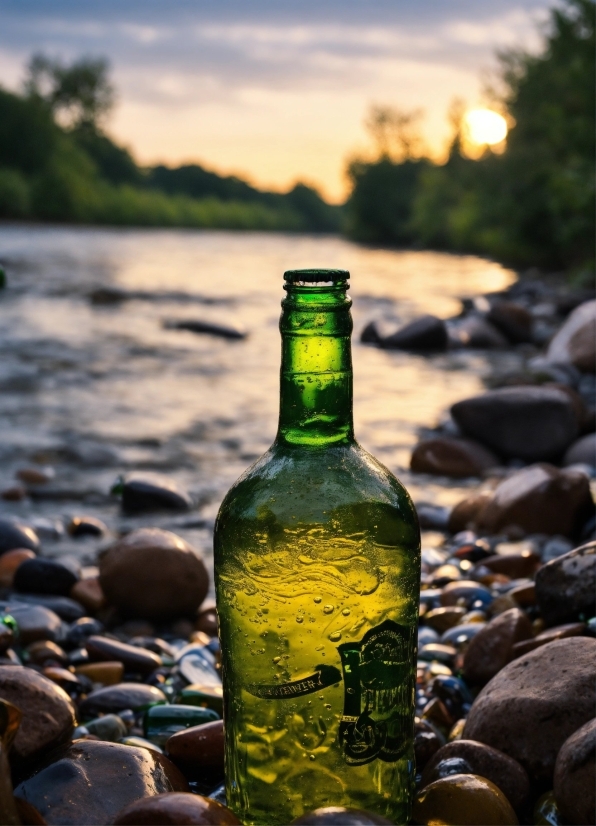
106,673
40,652
35,623
153,574
466,593
207,621
535,703
140,743
340,816
44,576
438,651
16,535
112,699
48,713
149,492
524,594
514,566
566,586
86,526
485,761
426,635
575,776
492,648
460,635
109,727
81,630
452,692
204,695
162,721
198,749
9,562
559,632
441,619
456,458
177,809
135,660
90,782
463,799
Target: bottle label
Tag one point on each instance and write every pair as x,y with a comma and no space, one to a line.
325,675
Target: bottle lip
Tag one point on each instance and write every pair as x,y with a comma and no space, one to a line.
316,276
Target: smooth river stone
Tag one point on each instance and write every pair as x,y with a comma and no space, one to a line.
466,593
91,781
39,653
575,776
559,632
64,607
135,660
499,768
16,535
177,809
441,619
9,562
198,748
148,492
515,566
44,576
35,623
535,703
106,673
86,526
492,648
112,699
153,574
88,592
48,712
463,800
566,586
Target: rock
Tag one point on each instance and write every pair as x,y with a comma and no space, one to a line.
575,776
491,649
457,458
461,635
207,621
538,499
36,475
15,493
109,727
340,816
529,423
437,651
576,340
206,327
432,517
175,808
535,703
90,782
44,651
86,526
44,576
524,593
135,660
477,333
153,574
554,547
463,800
148,492
15,535
35,622
441,619
106,673
48,712
582,452
88,592
453,693
162,721
566,586
64,607
427,741
465,513
485,761
513,320
198,749
466,593
515,566
559,632
425,334
9,562
112,699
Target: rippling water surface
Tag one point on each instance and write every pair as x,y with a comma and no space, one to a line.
98,388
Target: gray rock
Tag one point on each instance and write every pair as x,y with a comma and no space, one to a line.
147,492
575,776
554,547
529,423
566,587
14,534
457,458
426,334
582,452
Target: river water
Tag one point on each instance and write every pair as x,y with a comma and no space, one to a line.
95,389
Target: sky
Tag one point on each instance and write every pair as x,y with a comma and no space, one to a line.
275,91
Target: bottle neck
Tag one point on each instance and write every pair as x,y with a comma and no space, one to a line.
316,366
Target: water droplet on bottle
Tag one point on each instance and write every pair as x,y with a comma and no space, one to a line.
328,705
317,600
311,757
299,619
335,636
346,612
276,660
327,609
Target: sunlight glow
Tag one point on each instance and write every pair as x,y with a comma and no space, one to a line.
485,127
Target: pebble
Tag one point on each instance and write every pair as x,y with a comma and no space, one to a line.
582,452
39,653
109,727
535,703
16,535
425,334
66,608
9,562
513,320
153,574
466,593
441,619
91,781
456,458
35,622
426,635
524,593
106,673
465,514
205,695
207,327
150,492
438,651
88,592
427,741
44,576
140,743
86,526
476,332
15,493
575,776
538,499
559,632
460,635
463,799
198,751
162,721
575,342
112,699
452,692
566,586
207,621
36,475
177,809
48,712
514,566
485,761
135,660
492,648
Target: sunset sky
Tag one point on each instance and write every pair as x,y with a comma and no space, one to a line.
272,90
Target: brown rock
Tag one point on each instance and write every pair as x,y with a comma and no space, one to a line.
476,332
14,493
491,649
535,703
575,776
177,809
559,632
135,660
463,800
48,712
35,622
207,621
515,566
538,499
9,562
499,768
513,320
199,747
441,619
153,574
43,650
106,673
112,699
457,458
524,594
88,592
566,586
465,513
35,475
90,781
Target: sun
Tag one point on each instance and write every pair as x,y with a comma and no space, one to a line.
484,127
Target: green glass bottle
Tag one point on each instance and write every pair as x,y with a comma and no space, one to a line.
317,570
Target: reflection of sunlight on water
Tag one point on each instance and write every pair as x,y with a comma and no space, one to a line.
112,373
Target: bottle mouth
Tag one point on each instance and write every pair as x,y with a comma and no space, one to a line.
316,278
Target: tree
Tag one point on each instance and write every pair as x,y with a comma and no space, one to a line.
396,132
